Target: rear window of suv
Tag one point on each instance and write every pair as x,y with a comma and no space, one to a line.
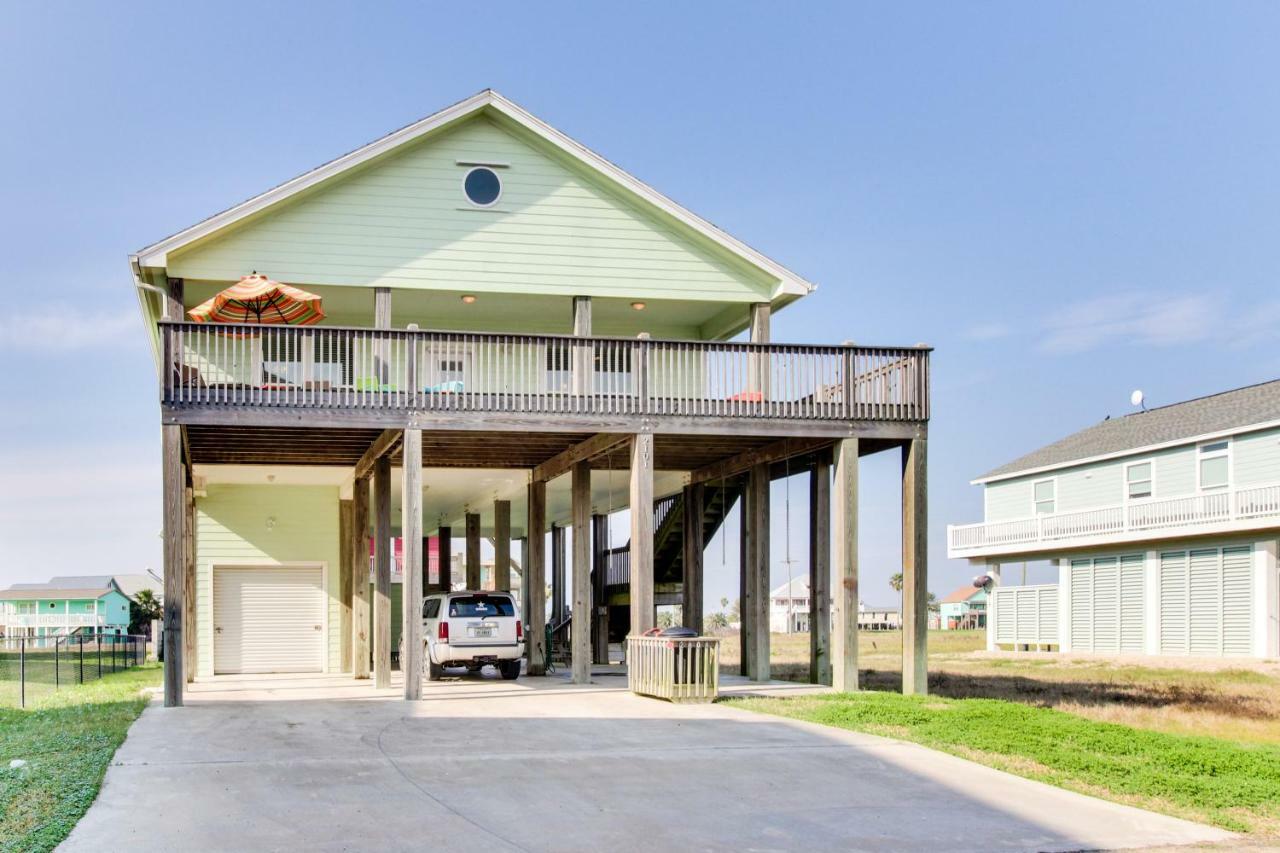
468,606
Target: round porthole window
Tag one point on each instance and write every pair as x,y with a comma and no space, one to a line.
482,187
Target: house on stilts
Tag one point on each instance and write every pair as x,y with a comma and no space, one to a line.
519,338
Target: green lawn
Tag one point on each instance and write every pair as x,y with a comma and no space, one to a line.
67,739
1230,784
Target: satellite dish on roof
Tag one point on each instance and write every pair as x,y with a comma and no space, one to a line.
1137,398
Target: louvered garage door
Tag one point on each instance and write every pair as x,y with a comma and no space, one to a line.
268,619
1107,604
1206,601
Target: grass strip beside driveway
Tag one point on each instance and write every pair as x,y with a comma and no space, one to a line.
1225,783
67,740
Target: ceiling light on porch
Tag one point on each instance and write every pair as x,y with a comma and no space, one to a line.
468,298
639,306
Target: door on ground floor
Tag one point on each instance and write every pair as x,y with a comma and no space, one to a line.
1107,596
268,619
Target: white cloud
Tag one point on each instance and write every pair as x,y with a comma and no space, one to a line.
64,327
988,331
1131,319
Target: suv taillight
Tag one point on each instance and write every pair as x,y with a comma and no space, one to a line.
442,633
519,630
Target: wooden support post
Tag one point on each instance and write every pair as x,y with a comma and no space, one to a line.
580,631
360,578
382,320
382,308
189,584
174,297
758,568
746,613
173,482
535,579
758,363
820,570
582,355
641,504
691,592
346,551
557,573
915,574
844,524
473,550
599,582
411,598
523,548
502,545
382,573
444,551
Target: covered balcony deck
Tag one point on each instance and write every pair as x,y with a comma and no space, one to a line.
364,377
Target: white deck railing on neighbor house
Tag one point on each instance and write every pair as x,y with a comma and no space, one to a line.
50,620
1023,616
441,371
1194,513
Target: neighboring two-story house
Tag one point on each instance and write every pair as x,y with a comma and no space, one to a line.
964,608
516,336
1163,524
64,606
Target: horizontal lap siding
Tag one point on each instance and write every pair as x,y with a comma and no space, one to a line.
405,222
232,529
1256,458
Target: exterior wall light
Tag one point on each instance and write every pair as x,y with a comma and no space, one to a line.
468,298
639,306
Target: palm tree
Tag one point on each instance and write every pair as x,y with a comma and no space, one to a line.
142,610
895,581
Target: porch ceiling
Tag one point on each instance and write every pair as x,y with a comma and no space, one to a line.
240,445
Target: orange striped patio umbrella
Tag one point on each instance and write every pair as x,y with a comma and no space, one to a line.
258,299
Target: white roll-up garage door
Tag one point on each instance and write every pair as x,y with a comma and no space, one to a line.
268,619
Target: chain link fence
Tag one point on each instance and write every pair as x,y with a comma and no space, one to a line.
32,667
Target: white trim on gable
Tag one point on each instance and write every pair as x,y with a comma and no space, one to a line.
156,255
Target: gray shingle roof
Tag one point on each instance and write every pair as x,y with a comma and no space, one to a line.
1242,407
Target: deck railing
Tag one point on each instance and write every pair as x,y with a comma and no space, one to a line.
336,367
1256,503
52,620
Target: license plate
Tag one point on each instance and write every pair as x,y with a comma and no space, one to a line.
480,631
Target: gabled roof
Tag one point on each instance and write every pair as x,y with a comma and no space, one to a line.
50,592
130,585
156,254
799,588
962,594
1202,418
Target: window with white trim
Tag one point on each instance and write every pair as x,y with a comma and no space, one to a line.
1138,480
1214,465
1045,496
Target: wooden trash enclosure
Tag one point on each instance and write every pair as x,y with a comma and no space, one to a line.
680,669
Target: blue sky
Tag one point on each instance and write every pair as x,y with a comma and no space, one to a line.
1069,201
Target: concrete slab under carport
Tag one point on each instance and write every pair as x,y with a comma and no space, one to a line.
323,763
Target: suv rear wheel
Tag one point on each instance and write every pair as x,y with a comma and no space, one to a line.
510,669
434,670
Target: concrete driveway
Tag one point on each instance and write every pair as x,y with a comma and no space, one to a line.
325,764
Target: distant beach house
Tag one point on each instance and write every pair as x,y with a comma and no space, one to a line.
1163,525
965,608
68,605
789,608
